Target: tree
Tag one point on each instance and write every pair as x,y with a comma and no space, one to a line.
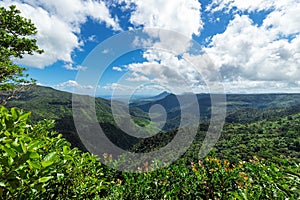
16,40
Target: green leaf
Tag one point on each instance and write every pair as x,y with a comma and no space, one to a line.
34,145
14,113
9,151
25,116
50,157
34,155
6,140
60,176
45,179
24,148
46,163
34,164
66,150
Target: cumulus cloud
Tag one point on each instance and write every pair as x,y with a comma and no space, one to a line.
155,16
255,53
227,5
171,25
182,16
71,84
170,71
265,56
105,51
71,67
261,58
116,86
119,69
92,38
283,17
246,86
59,25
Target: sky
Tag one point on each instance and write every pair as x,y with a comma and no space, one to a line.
179,45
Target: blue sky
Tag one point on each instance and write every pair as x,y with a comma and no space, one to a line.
252,46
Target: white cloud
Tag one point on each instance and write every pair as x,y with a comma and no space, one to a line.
170,25
285,19
176,73
155,16
71,67
105,51
92,38
259,53
182,16
248,56
71,84
119,69
116,86
246,86
59,24
227,5
139,78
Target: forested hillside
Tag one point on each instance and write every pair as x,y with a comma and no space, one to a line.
259,146
48,103
37,163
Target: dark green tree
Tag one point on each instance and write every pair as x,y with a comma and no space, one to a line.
16,40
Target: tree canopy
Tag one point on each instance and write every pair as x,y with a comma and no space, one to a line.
16,40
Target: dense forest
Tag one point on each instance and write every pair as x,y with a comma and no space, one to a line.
256,157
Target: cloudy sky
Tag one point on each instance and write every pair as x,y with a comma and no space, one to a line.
252,46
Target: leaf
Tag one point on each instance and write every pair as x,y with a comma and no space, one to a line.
45,179
24,148
66,149
34,164
25,116
60,176
17,147
6,140
34,155
46,163
14,113
50,157
9,151
34,145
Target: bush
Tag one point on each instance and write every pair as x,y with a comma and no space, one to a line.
36,163
211,178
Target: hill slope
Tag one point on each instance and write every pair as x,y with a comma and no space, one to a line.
48,103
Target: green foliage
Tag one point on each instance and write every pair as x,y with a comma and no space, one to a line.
36,163
48,103
256,179
15,41
78,175
211,178
271,139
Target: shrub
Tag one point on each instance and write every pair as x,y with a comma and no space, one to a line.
211,178
37,163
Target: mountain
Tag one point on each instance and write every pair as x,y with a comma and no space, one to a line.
233,101
153,98
271,138
48,103
239,107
